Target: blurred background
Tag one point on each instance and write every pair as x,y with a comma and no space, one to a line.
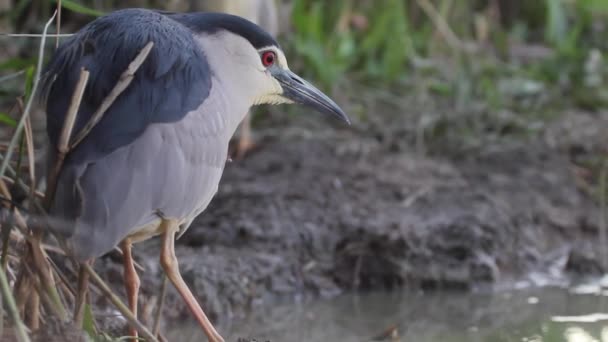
467,202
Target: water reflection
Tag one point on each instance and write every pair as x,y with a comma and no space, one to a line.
544,315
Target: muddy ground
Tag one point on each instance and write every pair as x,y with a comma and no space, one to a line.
319,209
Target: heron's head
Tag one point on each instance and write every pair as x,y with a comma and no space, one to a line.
253,62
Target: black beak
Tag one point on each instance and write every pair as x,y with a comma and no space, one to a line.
299,91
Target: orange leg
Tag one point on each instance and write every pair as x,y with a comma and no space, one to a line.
169,263
131,282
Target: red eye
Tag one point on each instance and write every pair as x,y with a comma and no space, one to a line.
268,58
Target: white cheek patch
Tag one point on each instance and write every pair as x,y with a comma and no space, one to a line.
282,60
274,97
272,100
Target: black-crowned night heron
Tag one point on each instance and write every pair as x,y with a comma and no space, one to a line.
154,161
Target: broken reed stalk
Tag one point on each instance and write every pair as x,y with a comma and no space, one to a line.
58,23
31,157
442,26
34,309
159,306
13,313
6,228
34,35
603,233
43,268
124,310
123,82
81,296
63,145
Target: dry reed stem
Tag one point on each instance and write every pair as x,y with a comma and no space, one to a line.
13,312
31,156
7,296
159,306
123,82
70,119
44,273
81,296
58,23
42,296
34,309
34,35
63,279
442,26
11,76
63,145
5,225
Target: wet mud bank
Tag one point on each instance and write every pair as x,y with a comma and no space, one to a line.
314,212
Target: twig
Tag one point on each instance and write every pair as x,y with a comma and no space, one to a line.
603,180
7,296
63,278
159,306
123,82
34,35
34,309
35,298
124,310
13,313
28,107
31,157
11,76
81,296
68,124
64,139
6,227
2,313
44,272
58,23
442,26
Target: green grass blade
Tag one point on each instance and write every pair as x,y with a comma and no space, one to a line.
78,8
7,120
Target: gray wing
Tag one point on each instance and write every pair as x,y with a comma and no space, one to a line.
173,81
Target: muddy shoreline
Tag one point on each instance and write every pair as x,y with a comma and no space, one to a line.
319,211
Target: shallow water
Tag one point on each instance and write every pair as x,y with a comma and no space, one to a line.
547,314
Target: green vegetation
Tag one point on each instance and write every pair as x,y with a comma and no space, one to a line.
519,55
547,46
483,72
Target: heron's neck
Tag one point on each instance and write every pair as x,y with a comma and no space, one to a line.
232,107
232,80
